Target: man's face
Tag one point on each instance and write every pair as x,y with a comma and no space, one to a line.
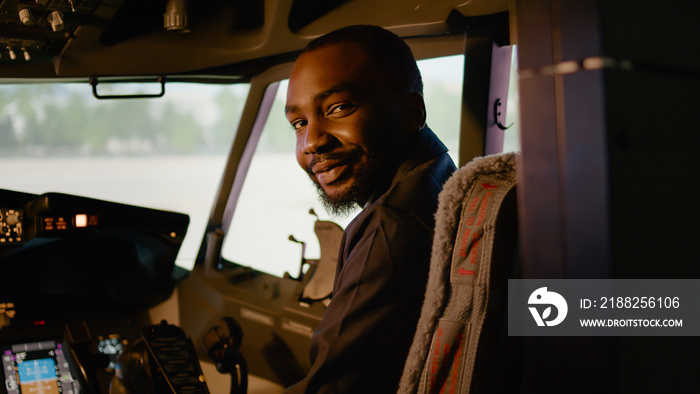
345,119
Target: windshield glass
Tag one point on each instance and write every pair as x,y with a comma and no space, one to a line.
167,153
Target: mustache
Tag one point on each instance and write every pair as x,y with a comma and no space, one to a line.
333,156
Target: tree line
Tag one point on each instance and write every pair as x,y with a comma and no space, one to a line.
58,119
52,119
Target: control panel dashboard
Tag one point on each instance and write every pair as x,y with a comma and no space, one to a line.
50,224
78,278
24,216
60,244
38,354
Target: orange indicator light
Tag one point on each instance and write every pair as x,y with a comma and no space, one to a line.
81,220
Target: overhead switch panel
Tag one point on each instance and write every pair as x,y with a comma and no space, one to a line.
40,29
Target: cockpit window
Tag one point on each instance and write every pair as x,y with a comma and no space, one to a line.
167,153
277,195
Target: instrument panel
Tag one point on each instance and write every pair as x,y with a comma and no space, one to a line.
57,244
78,278
11,226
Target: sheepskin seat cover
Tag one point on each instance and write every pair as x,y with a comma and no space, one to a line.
444,347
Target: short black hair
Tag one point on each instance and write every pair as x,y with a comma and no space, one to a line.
384,48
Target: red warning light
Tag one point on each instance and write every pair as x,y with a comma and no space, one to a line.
38,323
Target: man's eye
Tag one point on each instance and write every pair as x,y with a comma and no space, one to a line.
298,124
340,108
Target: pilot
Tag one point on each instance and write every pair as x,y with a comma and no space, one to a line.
355,101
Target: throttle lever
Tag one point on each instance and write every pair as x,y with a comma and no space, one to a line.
78,339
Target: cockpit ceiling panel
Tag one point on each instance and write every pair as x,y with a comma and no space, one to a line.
128,37
406,18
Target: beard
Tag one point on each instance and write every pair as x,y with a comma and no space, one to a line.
365,180
378,168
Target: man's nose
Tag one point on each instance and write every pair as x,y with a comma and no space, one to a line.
317,138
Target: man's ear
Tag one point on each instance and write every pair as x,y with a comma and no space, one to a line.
415,113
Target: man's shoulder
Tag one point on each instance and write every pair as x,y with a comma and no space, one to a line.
412,198
416,192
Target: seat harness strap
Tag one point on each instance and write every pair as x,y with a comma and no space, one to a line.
443,353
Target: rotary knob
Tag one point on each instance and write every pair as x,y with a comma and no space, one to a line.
26,16
12,218
56,20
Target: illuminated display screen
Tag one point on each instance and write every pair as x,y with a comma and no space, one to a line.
38,367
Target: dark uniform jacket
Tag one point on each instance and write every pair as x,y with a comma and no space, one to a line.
363,340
